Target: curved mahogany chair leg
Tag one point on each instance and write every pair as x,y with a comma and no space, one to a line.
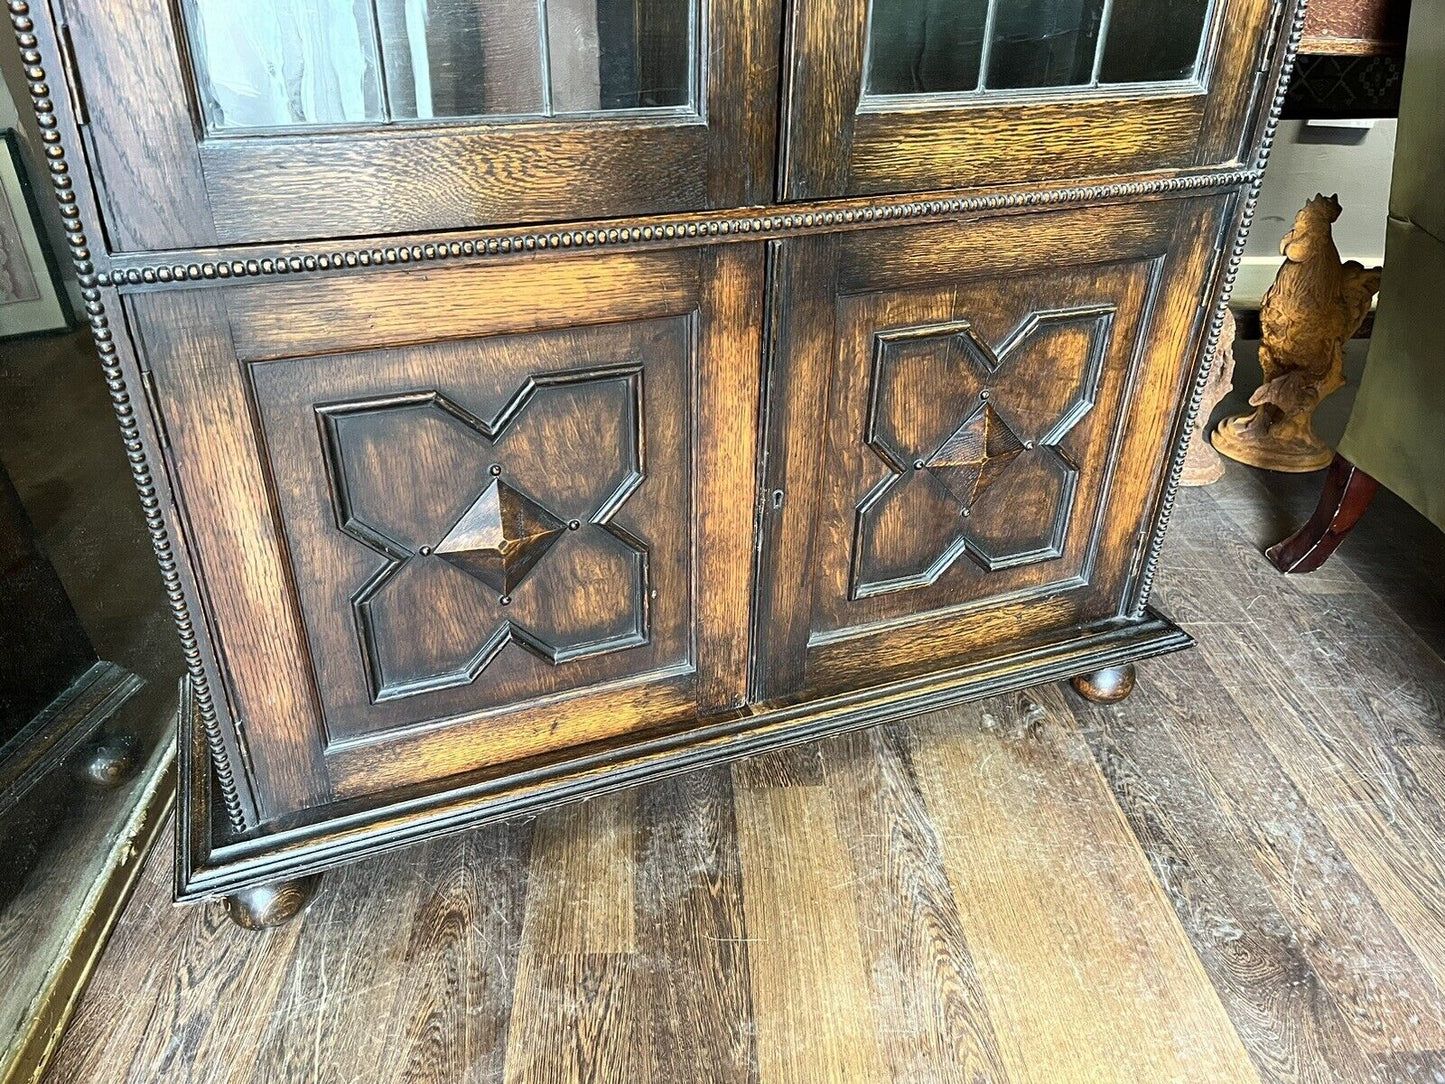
1348,492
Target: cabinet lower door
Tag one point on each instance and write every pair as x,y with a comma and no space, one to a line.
458,520
968,428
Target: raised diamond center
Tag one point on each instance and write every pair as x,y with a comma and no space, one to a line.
500,537
974,455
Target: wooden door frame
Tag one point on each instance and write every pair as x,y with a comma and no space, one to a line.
166,185
832,147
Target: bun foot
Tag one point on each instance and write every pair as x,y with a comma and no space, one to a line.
271,905
108,760
1107,686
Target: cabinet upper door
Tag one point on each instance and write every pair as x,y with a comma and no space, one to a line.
912,95
220,122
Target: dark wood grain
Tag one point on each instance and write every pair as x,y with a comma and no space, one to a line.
836,146
918,954
1267,984
1078,359
691,932
1346,497
169,184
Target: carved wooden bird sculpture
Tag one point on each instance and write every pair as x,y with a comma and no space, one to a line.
1314,306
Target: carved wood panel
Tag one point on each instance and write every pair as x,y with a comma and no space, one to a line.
1008,440
953,440
970,435
454,522
485,521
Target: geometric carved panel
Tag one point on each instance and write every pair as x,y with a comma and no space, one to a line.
479,534
995,484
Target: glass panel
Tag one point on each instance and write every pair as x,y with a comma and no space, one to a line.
279,63
461,58
925,46
1152,39
617,54
1044,43
270,63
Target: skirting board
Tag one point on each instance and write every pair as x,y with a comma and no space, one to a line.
30,1049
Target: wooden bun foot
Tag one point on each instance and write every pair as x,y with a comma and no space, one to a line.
108,760
1107,686
271,905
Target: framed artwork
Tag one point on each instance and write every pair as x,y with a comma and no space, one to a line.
32,298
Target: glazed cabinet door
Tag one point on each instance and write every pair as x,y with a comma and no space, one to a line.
913,95
214,121
967,429
466,519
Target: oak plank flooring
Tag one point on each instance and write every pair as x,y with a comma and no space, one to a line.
1234,875
1084,966
934,1024
805,947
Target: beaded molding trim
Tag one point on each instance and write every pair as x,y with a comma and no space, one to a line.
665,232
1216,324
90,282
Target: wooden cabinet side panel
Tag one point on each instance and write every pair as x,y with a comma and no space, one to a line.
225,506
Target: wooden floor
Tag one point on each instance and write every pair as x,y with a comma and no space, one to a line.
1237,875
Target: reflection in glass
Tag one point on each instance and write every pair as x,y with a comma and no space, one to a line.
1152,39
1044,43
280,63
977,46
925,46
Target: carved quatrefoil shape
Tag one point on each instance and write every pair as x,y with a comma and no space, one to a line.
497,531
1012,408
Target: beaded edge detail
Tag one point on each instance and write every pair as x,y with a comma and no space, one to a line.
704,227
120,397
1216,325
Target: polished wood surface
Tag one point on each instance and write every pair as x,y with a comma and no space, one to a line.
1053,346
1107,686
833,146
455,524
1356,27
1227,877
170,186
1345,497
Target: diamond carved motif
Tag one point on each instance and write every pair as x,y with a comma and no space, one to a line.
974,456
500,537
501,534
994,439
